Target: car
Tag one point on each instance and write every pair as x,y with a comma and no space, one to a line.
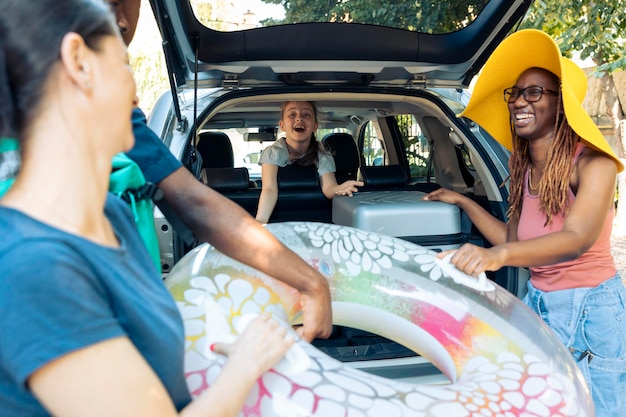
388,90
250,161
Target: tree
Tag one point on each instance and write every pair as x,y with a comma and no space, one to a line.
596,29
423,16
147,60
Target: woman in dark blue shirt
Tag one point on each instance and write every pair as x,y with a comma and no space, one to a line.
87,326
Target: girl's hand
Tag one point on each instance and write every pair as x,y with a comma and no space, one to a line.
348,188
261,345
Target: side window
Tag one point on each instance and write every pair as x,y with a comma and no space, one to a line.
247,145
373,149
416,146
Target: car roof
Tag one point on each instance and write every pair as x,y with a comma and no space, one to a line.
330,52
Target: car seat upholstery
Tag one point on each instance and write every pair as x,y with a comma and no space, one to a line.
383,177
226,179
300,196
218,161
346,154
216,150
294,177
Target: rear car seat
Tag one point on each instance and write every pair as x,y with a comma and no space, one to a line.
219,173
387,177
216,150
300,196
346,154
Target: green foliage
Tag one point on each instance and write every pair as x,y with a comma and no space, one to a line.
596,28
150,76
427,16
416,146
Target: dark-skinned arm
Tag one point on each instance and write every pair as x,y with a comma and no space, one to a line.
492,228
215,219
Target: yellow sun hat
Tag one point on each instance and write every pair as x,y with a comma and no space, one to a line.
520,51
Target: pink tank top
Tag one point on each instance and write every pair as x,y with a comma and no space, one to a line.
588,270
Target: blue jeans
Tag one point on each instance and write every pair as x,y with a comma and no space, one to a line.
591,322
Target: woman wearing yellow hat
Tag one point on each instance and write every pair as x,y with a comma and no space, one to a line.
562,185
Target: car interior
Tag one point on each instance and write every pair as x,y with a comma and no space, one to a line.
388,142
391,143
410,143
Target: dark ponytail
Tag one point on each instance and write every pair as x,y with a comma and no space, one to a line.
31,33
6,97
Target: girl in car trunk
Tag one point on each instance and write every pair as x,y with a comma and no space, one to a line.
299,146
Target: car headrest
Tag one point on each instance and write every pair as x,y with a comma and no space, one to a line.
384,176
226,179
346,154
216,150
298,177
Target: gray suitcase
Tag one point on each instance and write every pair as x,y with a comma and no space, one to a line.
401,214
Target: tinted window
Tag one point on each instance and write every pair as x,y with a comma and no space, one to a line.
416,146
425,16
373,149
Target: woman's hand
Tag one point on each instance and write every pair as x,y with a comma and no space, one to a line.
348,188
444,195
259,347
473,259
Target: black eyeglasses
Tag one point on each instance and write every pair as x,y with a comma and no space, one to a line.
531,94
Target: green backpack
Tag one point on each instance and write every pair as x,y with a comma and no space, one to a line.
126,181
9,163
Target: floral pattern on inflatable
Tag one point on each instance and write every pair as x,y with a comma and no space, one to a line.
500,358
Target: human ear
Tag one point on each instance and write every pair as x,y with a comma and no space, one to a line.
76,60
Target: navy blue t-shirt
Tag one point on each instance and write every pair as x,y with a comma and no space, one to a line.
60,292
150,153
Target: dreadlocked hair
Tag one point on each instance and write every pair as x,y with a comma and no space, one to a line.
554,185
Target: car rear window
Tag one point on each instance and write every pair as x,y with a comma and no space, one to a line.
425,16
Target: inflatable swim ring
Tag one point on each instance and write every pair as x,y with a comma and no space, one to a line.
501,359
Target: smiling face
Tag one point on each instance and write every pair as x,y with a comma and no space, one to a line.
535,120
298,121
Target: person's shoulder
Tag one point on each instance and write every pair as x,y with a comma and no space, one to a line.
149,152
589,154
275,154
10,225
119,213
138,115
323,148
593,164
28,243
144,136
326,163
278,144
